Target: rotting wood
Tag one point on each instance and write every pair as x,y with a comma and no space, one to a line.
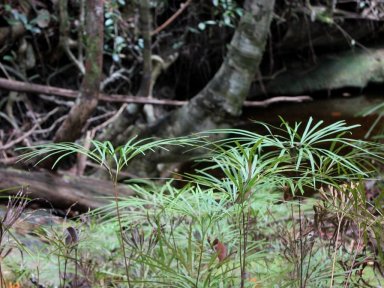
60,191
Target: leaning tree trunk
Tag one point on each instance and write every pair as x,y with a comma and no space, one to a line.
86,103
71,128
224,95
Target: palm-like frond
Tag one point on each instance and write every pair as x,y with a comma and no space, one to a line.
305,150
104,153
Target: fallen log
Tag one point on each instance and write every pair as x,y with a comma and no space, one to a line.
60,191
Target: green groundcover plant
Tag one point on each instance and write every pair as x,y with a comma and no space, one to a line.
227,224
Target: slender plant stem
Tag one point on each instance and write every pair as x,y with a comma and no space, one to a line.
200,260
59,268
241,253
335,252
65,266
354,258
76,276
301,245
244,228
308,266
121,230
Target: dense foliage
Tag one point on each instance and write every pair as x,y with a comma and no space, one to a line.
228,224
122,89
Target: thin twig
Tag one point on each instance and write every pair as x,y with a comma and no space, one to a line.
301,245
90,135
53,99
52,127
96,118
183,6
340,219
110,120
277,99
81,157
27,134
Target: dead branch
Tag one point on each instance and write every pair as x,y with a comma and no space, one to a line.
27,134
14,85
267,102
90,135
183,6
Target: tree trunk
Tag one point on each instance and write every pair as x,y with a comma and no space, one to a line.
71,128
223,97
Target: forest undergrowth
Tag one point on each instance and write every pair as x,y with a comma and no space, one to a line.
298,206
